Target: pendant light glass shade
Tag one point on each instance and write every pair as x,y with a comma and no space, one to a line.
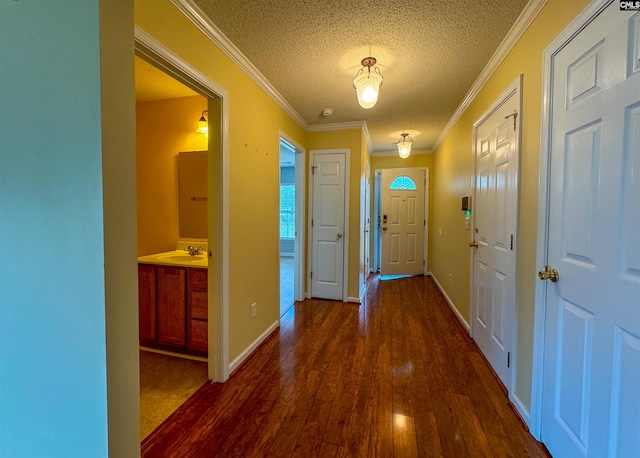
203,125
404,145
367,83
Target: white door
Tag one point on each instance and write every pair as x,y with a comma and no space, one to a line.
402,222
591,369
495,207
327,224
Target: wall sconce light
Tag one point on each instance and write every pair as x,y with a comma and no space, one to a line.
367,83
404,145
203,125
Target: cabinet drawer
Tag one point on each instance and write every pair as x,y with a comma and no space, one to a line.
197,279
198,335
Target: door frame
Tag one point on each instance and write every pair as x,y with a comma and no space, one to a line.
540,303
514,89
377,208
345,239
299,242
218,213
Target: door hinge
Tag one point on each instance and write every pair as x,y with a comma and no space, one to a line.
508,359
511,242
313,169
425,222
311,274
515,116
424,263
311,222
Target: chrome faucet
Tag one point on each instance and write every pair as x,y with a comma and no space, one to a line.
194,250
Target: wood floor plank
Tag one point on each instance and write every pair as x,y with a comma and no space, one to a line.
395,376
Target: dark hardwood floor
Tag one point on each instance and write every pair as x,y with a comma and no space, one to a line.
395,376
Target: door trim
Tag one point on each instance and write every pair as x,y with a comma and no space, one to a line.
218,298
579,23
347,193
299,243
515,89
377,206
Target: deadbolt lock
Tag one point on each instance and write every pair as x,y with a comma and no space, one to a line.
473,244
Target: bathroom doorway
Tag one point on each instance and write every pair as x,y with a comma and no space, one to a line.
291,228
183,110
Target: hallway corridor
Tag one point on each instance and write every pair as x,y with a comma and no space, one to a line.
395,376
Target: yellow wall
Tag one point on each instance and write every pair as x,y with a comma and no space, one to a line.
454,168
254,125
163,129
350,139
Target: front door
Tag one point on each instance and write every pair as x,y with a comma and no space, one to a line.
494,233
402,222
327,225
591,369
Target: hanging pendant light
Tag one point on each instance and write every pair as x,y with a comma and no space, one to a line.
367,83
203,125
404,145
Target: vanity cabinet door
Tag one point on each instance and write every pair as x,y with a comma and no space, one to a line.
171,305
147,301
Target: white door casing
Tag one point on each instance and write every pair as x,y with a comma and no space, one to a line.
495,223
403,223
367,221
588,321
328,204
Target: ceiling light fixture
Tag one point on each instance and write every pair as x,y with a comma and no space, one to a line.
404,145
367,83
203,125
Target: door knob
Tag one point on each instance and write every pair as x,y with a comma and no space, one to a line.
473,244
384,228
339,234
549,274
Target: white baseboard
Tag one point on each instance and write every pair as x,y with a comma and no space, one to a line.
522,410
450,302
247,351
353,299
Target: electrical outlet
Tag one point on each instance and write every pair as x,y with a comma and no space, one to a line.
253,310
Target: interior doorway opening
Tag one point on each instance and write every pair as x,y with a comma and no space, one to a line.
215,315
291,229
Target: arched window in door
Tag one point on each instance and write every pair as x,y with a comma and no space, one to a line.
403,183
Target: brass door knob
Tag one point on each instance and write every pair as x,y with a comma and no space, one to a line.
339,235
549,274
473,244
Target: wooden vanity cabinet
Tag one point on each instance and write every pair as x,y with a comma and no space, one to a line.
173,307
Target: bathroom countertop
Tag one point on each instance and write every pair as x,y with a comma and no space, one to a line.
178,258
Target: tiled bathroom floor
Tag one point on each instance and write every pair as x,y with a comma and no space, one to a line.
166,382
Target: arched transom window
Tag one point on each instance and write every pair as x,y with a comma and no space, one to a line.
403,183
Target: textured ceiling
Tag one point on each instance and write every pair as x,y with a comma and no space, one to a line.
153,84
429,53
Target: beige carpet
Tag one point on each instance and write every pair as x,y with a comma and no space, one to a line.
166,382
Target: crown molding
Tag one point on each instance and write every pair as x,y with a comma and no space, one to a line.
337,126
528,14
202,22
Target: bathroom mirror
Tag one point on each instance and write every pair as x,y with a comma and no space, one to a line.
192,186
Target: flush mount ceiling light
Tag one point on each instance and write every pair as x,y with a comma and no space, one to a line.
404,145
367,83
203,125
